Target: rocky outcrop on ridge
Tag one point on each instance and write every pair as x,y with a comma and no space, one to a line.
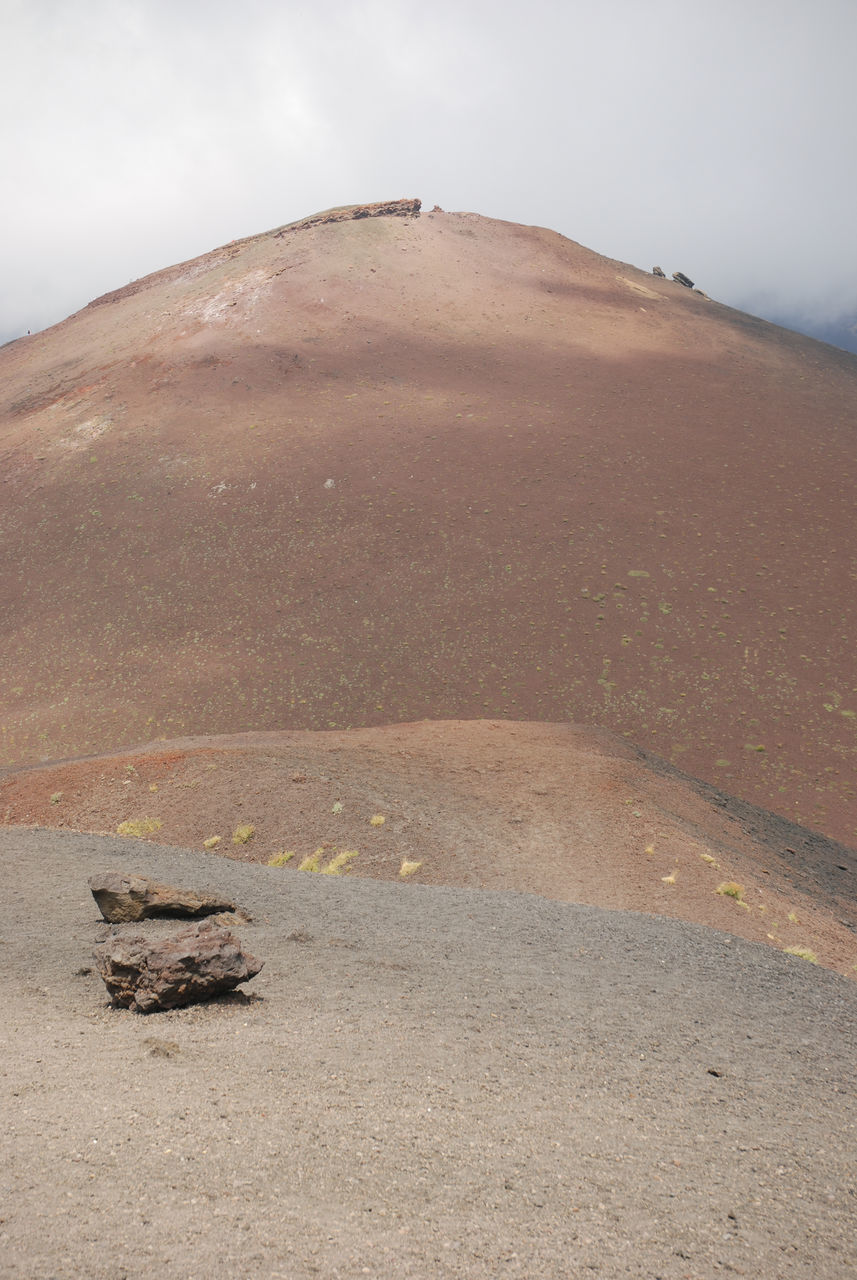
406,208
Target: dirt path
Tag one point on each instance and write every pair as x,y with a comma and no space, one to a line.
423,1081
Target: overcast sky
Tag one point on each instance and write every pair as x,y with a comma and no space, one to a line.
715,137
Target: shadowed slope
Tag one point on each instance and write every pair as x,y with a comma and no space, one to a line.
439,467
569,813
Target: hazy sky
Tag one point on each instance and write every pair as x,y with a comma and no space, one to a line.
716,137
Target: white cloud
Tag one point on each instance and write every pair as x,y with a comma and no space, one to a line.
715,138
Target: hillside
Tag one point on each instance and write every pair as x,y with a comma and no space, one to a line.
391,469
570,814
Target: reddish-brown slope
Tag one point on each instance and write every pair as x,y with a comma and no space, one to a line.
561,489
558,810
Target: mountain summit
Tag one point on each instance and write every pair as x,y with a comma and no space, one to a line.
371,468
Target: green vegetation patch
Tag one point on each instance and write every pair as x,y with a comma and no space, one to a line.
339,862
334,867
731,889
139,827
280,859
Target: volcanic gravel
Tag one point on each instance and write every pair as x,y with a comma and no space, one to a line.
422,1081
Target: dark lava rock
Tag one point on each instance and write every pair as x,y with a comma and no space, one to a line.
123,898
147,974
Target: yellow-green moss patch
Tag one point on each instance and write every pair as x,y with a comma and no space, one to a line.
280,859
139,827
339,862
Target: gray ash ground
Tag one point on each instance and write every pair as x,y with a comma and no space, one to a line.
424,1082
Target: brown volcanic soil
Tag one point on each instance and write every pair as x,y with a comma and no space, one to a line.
435,467
571,814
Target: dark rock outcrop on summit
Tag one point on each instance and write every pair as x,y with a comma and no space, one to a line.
406,208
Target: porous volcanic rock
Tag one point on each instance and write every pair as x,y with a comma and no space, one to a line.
124,898
146,974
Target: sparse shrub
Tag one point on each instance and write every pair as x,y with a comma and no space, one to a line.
312,862
731,889
280,859
56,797
672,877
706,857
377,820
243,833
804,952
334,867
408,868
211,843
337,864
337,808
139,827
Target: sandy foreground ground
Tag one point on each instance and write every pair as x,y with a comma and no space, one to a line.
423,1081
